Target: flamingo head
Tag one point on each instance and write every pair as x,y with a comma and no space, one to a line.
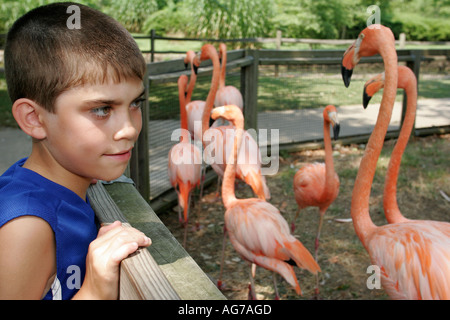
222,49
330,116
189,58
231,113
367,44
371,87
207,52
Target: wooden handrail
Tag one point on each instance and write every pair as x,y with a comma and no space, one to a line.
140,276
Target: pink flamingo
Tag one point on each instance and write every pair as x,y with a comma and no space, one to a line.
317,184
184,162
407,81
413,256
248,171
227,94
257,230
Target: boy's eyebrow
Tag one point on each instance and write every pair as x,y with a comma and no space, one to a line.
111,102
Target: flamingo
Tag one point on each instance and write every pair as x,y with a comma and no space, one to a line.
317,184
227,94
407,81
257,230
184,166
249,165
413,256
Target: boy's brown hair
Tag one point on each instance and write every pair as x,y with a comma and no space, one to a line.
43,57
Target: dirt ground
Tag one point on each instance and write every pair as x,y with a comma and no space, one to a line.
423,185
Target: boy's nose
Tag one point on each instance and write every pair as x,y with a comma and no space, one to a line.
129,129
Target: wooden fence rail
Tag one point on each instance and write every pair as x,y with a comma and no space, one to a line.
278,40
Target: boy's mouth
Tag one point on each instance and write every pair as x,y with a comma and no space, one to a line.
124,155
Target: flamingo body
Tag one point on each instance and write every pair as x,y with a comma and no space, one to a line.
184,170
261,235
249,158
414,259
229,95
194,110
309,187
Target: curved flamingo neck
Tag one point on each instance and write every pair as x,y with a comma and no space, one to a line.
182,100
229,176
192,81
408,82
361,191
329,165
223,70
209,104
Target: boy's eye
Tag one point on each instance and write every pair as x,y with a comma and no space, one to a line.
137,103
101,112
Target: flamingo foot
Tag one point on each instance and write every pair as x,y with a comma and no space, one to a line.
220,285
251,295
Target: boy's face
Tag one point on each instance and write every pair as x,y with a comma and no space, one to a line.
94,128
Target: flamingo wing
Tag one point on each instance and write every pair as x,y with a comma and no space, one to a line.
194,110
414,258
309,183
184,169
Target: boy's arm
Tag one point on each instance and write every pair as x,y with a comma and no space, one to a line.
27,258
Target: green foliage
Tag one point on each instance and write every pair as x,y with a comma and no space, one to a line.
171,18
230,19
132,14
332,19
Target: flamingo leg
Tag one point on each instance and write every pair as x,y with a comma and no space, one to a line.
293,221
251,293
219,281
316,250
274,277
219,183
202,180
185,223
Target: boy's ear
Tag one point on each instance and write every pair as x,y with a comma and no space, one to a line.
28,116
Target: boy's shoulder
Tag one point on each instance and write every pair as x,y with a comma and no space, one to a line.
23,192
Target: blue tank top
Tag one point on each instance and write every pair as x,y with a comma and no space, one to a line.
25,192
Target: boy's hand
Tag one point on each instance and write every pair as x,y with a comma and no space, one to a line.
113,244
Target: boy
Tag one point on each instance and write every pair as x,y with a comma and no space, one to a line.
77,92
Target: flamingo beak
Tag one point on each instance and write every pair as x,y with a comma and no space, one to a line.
346,75
335,124
336,129
366,98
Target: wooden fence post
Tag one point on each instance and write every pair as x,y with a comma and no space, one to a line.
278,42
139,163
152,45
249,87
414,65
